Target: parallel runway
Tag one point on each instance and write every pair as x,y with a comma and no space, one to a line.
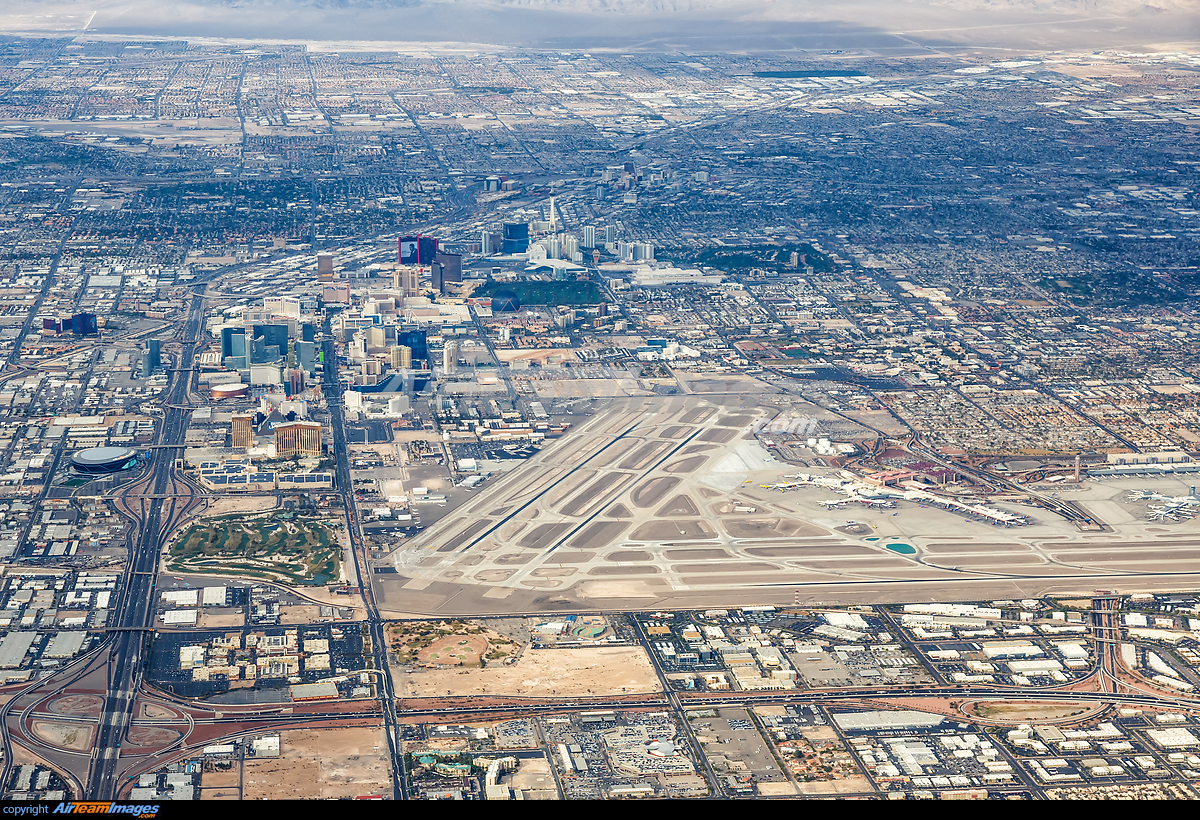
657,503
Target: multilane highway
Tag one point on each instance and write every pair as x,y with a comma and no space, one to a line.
362,569
155,503
135,608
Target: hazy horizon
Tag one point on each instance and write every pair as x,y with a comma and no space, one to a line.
645,25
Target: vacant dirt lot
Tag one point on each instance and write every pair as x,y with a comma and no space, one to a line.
327,763
1015,711
611,670
240,504
448,643
75,736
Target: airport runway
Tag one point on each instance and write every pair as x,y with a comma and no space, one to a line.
659,502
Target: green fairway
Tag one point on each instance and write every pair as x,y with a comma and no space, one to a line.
297,552
547,293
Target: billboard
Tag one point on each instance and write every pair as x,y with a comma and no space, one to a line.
417,250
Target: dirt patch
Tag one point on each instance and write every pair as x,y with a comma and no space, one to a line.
493,576
718,436
238,504
553,572
813,551
676,528
152,736
545,672
74,736
1124,556
511,529
696,555
679,506
628,555
152,711
698,415
1076,603
534,780
455,650
218,779
598,534
82,705
769,527
651,492
535,583
304,614
988,560
1008,711
637,569
726,566
858,565
677,431
569,557
848,786
937,549
618,511
213,618
685,465
652,588
322,764
448,643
